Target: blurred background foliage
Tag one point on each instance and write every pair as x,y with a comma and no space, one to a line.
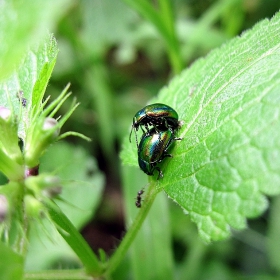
116,59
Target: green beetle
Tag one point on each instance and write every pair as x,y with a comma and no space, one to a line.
158,115
153,148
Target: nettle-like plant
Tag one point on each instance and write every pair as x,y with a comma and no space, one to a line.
220,173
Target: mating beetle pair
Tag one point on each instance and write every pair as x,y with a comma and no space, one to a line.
156,141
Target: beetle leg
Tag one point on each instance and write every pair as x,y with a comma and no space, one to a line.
166,155
147,132
160,174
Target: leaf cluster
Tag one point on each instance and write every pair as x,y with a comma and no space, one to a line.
221,172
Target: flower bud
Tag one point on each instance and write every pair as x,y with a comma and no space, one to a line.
42,134
5,113
50,123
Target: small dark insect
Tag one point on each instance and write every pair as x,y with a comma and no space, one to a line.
21,98
139,198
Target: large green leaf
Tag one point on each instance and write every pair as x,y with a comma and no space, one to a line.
229,157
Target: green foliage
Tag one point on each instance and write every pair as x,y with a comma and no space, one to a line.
116,60
39,130
228,158
81,194
25,115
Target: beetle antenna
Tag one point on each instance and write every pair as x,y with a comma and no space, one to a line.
136,137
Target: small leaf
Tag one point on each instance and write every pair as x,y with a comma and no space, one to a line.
229,157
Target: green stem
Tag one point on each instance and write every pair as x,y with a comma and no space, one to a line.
25,224
168,20
20,223
135,227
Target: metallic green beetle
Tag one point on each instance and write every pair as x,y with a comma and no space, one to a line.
158,115
153,148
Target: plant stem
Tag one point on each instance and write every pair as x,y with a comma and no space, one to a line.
132,232
171,39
